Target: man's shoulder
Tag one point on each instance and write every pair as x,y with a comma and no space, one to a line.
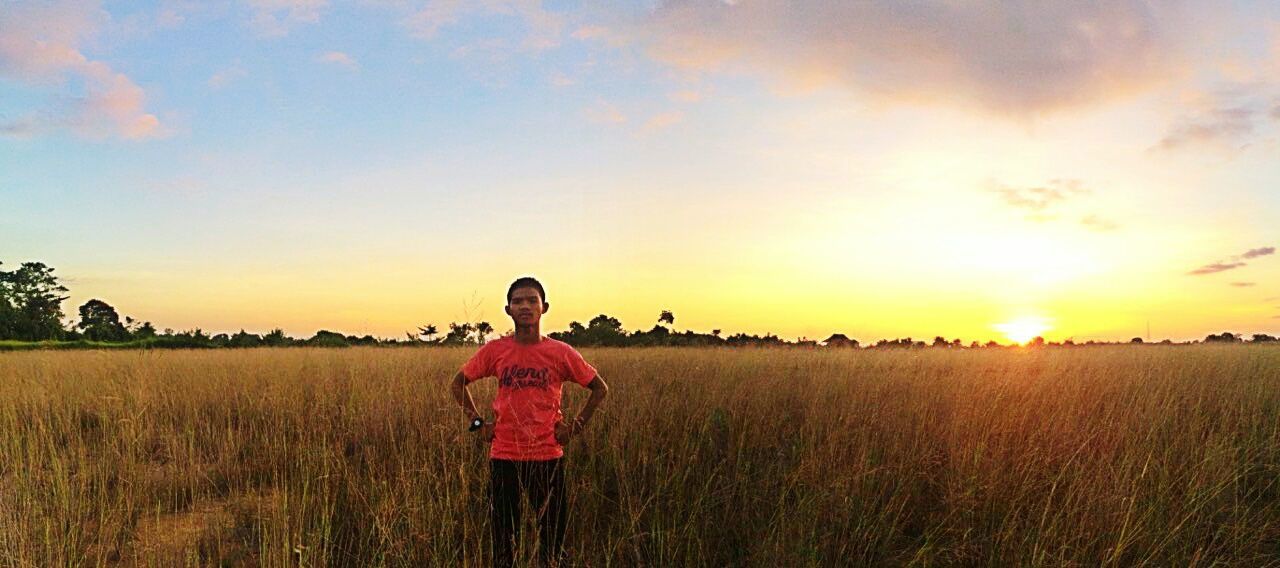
560,346
499,343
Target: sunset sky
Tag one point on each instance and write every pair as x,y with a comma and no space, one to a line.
880,169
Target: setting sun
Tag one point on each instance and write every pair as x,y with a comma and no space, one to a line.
1022,330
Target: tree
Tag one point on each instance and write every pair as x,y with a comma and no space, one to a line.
326,338
137,330
840,340
483,329
243,339
602,330
100,322
1224,337
1264,338
276,338
1137,341
667,317
459,334
428,332
31,303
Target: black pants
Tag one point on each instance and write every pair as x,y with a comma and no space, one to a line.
543,483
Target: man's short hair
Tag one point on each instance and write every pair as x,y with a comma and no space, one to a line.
527,282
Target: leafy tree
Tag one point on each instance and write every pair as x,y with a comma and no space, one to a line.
602,330
137,330
1223,337
667,317
483,329
276,338
459,334
244,339
428,332
220,340
1137,341
100,322
31,303
840,340
326,338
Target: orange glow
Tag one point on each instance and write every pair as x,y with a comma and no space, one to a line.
1022,330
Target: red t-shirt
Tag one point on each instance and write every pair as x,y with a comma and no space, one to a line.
527,407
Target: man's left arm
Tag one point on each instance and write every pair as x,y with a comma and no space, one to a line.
599,390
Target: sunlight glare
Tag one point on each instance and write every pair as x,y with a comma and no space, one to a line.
1022,330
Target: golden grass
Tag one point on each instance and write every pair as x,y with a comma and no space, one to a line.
1113,456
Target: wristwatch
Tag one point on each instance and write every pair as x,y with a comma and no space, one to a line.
476,423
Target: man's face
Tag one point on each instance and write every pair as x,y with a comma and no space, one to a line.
525,306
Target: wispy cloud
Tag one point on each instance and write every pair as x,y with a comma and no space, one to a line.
1099,224
663,120
1230,125
40,44
1262,251
1009,58
275,18
559,79
227,76
1216,267
542,28
589,32
1244,284
1231,116
1236,261
603,112
340,59
1039,200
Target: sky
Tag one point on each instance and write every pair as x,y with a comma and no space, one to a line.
965,168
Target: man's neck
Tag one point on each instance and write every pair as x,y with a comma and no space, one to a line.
528,334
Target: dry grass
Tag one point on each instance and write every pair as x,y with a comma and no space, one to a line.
1087,457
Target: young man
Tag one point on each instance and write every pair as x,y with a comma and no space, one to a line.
529,430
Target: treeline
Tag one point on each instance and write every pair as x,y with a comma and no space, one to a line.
31,298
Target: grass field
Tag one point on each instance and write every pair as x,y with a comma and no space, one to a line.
1110,456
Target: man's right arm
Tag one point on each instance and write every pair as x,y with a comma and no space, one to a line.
463,396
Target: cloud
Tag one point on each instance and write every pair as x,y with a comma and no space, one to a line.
663,120
275,18
686,96
339,58
1244,284
1236,261
1231,125
1216,268
542,28
227,76
1262,251
1039,199
590,32
1230,116
40,44
603,112
1098,223
559,79
1010,58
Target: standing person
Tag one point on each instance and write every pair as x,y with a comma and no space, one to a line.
528,431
